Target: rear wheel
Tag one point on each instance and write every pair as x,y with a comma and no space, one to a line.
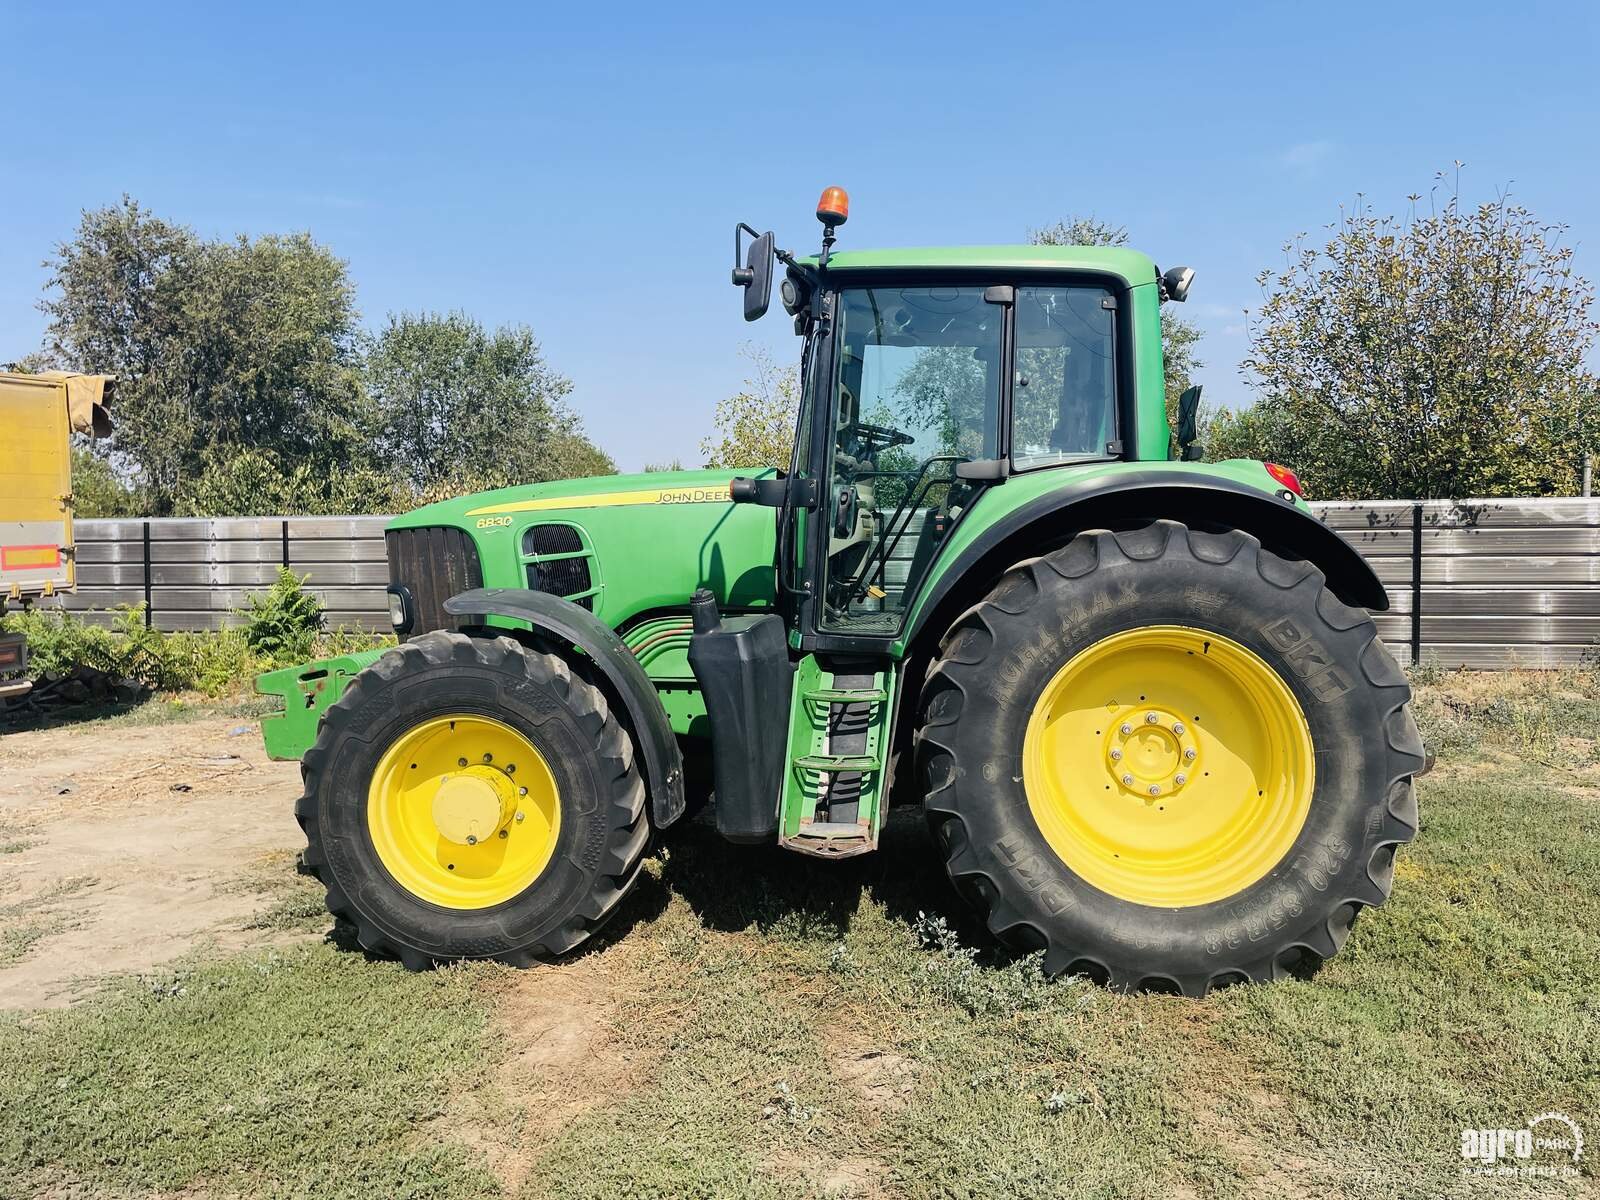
471,798
1168,758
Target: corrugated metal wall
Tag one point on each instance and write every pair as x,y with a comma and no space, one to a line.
196,572
1486,584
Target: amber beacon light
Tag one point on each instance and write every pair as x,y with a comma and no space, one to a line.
834,207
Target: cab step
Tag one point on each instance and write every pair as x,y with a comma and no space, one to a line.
864,764
846,695
838,758
832,839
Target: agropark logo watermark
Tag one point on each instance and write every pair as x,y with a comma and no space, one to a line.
1549,1146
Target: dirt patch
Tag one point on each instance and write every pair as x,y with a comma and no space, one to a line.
1250,1128
558,1025
882,1079
849,1178
130,841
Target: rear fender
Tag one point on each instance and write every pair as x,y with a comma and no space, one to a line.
622,678
1200,501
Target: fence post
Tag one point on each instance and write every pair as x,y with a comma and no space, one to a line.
148,615
285,532
1416,585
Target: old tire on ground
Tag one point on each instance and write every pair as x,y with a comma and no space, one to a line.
472,798
1169,759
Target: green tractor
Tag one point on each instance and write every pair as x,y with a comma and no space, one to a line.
1140,699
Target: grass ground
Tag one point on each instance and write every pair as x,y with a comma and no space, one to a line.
757,1025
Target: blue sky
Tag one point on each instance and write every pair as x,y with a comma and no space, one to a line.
578,168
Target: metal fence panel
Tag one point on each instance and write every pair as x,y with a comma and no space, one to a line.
1489,583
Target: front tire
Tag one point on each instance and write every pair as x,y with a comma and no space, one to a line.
1169,759
472,798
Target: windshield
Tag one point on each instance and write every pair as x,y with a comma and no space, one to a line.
918,385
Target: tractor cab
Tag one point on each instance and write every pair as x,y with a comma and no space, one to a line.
928,377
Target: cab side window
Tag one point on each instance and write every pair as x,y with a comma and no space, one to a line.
1064,396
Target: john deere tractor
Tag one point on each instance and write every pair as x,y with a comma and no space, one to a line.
1140,698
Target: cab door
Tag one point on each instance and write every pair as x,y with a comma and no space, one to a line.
916,386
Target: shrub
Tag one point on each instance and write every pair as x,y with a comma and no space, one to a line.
282,623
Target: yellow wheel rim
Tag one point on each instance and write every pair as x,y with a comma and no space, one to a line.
1168,766
463,811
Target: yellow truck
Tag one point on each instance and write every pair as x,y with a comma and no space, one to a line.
38,416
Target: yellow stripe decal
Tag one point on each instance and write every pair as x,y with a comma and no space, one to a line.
717,494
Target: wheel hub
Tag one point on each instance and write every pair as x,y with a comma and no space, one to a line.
1150,751
471,805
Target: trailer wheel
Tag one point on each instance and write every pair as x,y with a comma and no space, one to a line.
471,798
1169,759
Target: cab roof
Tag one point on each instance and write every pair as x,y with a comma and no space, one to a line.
1132,267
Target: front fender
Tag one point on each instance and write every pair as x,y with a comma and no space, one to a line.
575,626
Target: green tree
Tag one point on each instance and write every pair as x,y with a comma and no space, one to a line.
218,345
1439,355
755,427
99,491
460,407
1178,337
243,482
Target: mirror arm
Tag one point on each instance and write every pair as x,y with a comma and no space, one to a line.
776,493
743,276
806,270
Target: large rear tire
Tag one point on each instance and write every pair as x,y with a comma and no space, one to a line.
471,798
1169,759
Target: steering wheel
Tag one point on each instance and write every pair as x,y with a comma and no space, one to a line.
873,439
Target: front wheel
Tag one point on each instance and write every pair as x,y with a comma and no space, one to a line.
471,798
1168,759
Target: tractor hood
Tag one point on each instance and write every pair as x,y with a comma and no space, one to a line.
621,544
596,491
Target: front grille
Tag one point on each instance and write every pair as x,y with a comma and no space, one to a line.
433,564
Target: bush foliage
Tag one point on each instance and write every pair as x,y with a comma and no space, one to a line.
281,627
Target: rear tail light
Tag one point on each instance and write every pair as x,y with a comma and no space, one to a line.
1287,478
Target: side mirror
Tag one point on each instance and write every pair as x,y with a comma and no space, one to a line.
755,275
1175,284
1188,412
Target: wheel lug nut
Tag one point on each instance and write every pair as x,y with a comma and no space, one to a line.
505,833
1188,754
461,762
488,758
1155,789
1177,728
1115,754
1180,779
520,815
1127,780
1151,718
471,840
1126,728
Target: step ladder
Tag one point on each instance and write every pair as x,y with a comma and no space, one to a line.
839,737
